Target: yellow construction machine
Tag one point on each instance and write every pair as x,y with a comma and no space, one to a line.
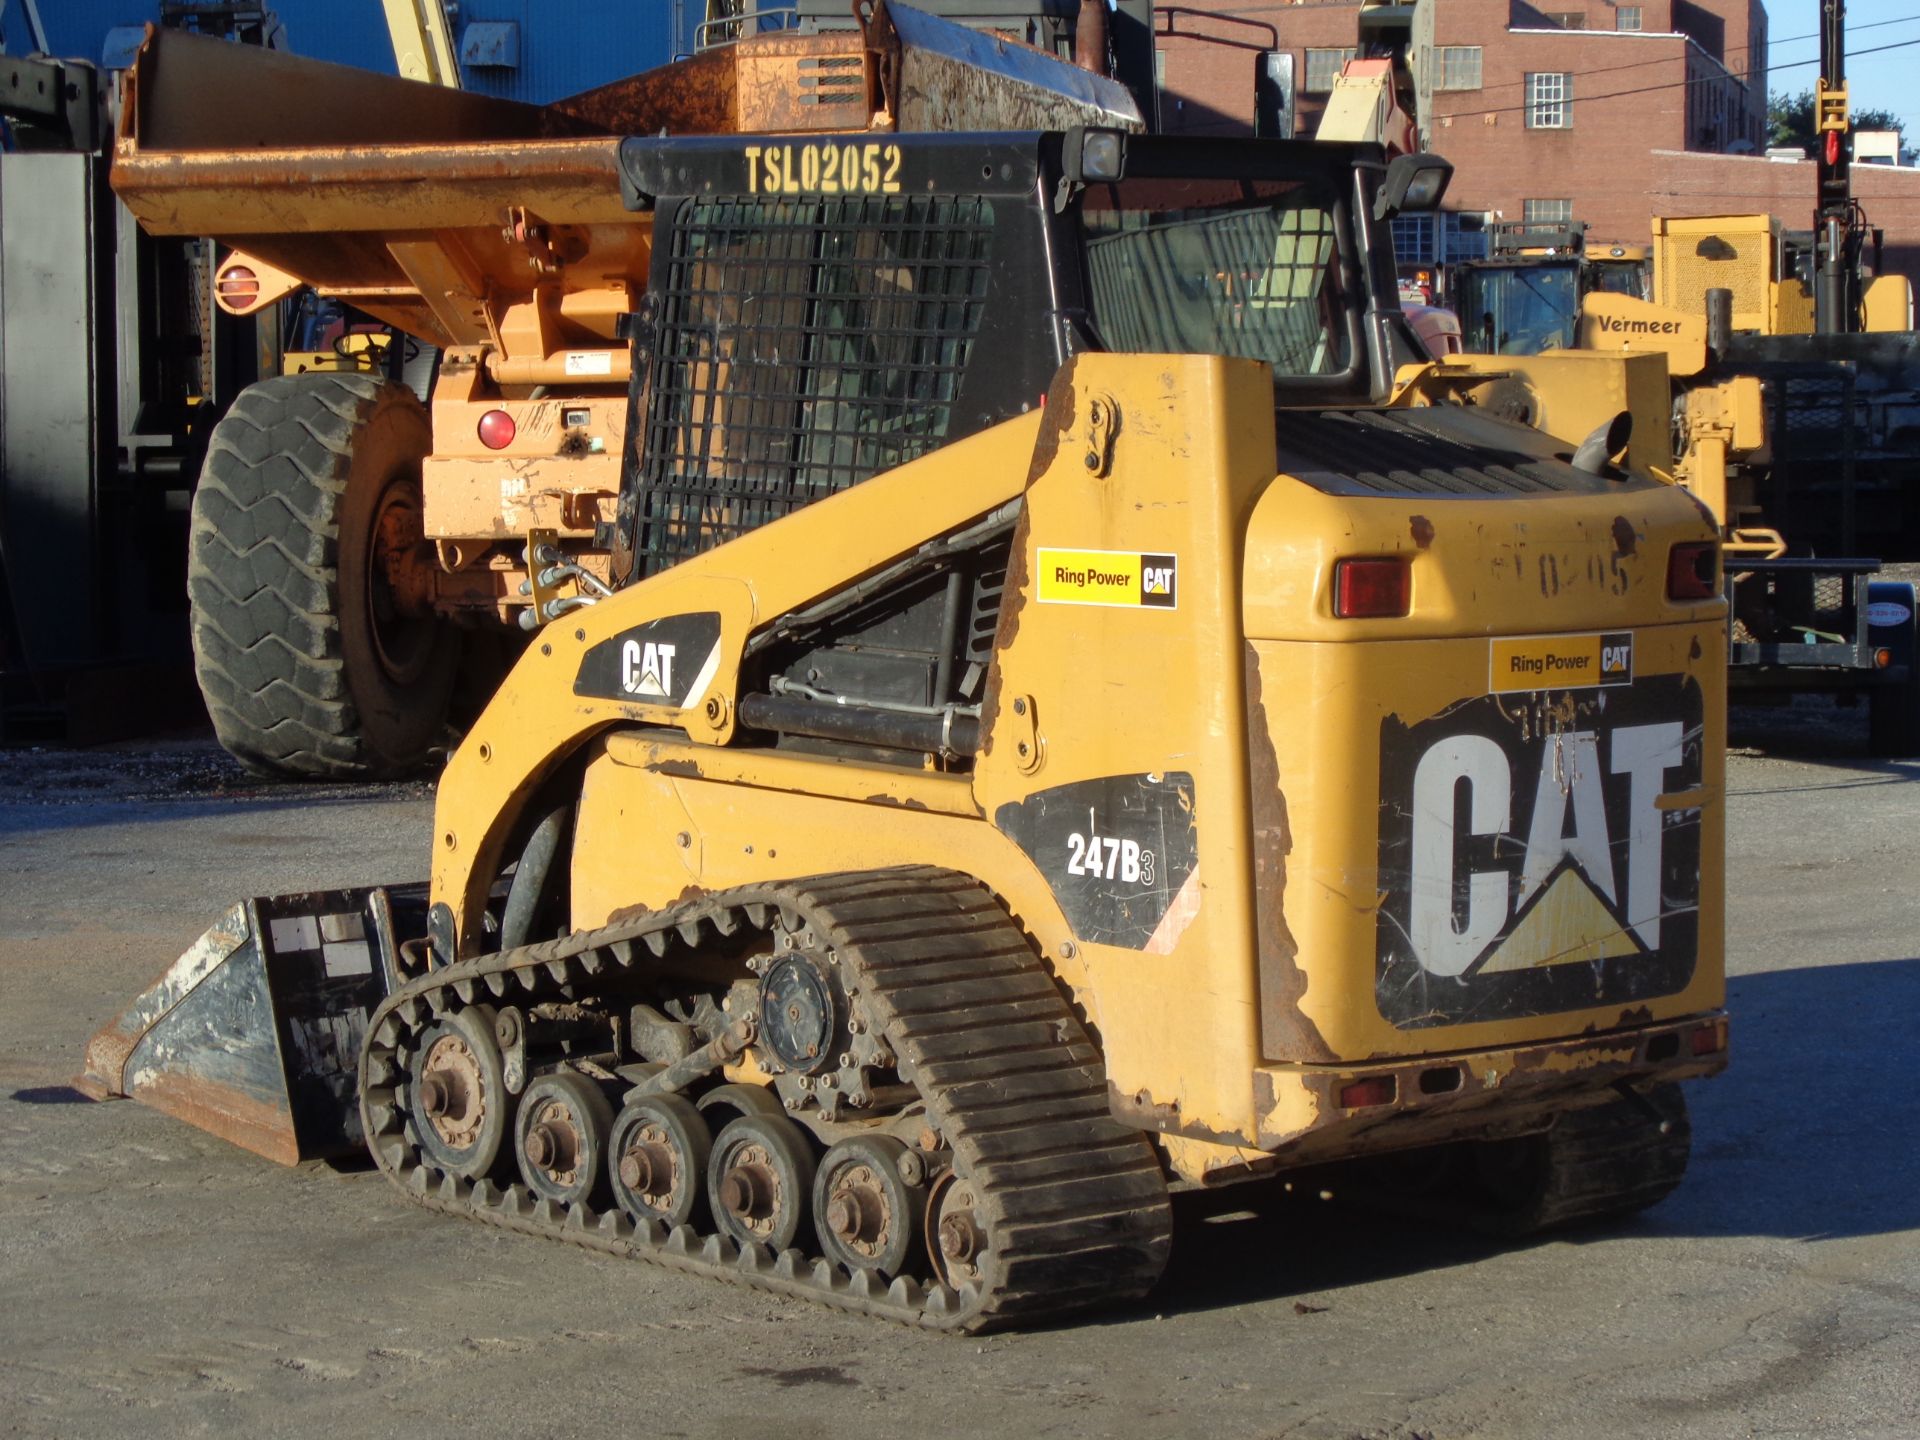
1078,710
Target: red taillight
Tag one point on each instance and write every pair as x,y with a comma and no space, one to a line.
1693,571
496,429
1375,588
1710,1039
1362,1094
238,287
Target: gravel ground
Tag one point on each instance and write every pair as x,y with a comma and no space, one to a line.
161,1283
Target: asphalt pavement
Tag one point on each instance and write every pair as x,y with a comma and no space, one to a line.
155,1281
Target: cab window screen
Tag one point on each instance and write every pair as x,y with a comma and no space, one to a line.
803,346
1246,269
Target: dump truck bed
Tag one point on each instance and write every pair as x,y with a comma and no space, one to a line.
433,209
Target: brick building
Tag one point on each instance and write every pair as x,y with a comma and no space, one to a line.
1547,112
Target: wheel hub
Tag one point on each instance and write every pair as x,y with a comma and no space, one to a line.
400,585
452,1092
749,1191
858,1210
959,1236
647,1168
553,1143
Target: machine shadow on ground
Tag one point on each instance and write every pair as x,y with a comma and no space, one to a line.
1773,1155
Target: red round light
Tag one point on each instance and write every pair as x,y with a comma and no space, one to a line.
496,429
238,287
1833,147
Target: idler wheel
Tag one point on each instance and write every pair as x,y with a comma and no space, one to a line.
867,1215
760,1181
458,1093
560,1138
955,1238
657,1159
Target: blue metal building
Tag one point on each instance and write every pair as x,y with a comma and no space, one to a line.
533,50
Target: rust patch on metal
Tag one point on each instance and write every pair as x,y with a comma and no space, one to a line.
1422,529
1285,1031
1142,1111
264,1129
1012,602
1523,1091
678,769
1056,422
1625,538
907,803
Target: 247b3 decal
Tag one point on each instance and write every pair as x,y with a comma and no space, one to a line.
1528,869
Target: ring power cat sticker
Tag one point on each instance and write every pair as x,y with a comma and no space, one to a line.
1561,662
1528,869
1109,577
663,662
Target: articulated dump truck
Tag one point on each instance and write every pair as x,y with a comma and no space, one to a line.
1078,714
353,552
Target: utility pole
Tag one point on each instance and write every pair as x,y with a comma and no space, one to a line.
1837,231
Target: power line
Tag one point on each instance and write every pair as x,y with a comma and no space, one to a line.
1290,6
1651,89
1670,59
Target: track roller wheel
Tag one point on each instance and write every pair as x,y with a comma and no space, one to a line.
866,1211
459,1094
560,1138
760,1180
657,1159
728,1102
955,1238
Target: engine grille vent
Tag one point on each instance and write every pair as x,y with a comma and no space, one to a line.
1435,452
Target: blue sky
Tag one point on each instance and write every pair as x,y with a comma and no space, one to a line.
1886,81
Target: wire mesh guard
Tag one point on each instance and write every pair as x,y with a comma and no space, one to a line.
1796,608
1246,282
1814,414
802,346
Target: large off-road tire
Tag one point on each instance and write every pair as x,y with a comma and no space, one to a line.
315,662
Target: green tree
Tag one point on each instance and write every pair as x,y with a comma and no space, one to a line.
1790,119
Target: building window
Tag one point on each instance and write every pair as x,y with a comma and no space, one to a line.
1459,67
1438,239
1549,100
1413,239
1565,20
1547,212
1323,68
1627,17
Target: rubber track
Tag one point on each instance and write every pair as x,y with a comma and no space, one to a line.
262,561
1611,1160
1074,1204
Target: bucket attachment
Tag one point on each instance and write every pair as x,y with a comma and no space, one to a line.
254,1034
